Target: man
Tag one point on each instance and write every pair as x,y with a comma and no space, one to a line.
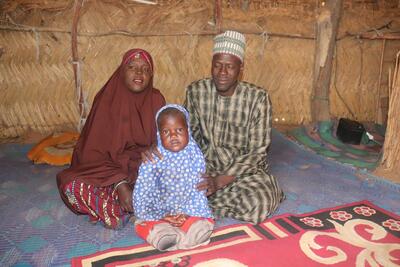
231,122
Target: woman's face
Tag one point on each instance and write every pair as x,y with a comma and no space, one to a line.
137,75
173,132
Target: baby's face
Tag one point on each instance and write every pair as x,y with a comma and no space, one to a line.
173,132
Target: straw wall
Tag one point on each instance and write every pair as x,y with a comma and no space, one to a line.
37,81
391,149
355,84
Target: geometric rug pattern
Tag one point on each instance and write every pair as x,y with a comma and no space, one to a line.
357,234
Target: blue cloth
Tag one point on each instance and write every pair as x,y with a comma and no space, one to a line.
169,185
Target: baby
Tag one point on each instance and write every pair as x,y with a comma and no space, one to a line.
170,212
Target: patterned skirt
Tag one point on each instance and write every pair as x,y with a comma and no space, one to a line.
100,204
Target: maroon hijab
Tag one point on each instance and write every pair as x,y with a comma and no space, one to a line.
119,127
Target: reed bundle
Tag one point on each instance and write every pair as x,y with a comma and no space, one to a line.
391,148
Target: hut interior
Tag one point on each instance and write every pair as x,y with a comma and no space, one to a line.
319,60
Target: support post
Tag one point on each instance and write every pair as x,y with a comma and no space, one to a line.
218,15
76,64
326,31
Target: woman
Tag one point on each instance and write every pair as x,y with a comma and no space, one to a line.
107,156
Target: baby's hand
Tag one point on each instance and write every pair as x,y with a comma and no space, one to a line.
176,220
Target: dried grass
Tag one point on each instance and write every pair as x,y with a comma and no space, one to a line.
36,78
391,148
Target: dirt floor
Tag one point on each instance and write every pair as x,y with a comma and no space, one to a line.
284,128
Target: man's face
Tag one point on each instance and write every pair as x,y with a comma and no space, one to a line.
137,75
173,132
225,72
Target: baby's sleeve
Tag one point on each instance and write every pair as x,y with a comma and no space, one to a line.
144,197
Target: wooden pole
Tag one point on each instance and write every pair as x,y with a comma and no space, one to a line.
326,31
77,65
384,36
218,15
378,101
27,28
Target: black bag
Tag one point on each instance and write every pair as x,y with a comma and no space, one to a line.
349,131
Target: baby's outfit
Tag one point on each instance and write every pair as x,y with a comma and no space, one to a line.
168,187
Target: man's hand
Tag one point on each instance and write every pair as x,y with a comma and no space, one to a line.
213,183
176,220
148,155
125,197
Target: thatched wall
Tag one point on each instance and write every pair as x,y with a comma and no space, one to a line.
37,81
391,149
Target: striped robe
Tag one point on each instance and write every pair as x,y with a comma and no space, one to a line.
234,134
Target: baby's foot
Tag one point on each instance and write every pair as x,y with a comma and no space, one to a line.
202,231
164,236
198,234
167,241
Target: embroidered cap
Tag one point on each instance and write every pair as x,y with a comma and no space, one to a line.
230,42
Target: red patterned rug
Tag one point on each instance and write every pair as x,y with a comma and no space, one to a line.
356,234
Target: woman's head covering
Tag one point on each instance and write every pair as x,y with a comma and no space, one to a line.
119,127
138,53
169,185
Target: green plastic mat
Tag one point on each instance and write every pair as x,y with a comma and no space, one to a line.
321,138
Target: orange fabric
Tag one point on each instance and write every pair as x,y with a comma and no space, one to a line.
143,229
56,149
191,220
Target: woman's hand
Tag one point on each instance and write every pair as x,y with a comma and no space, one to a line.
176,220
125,197
213,183
148,155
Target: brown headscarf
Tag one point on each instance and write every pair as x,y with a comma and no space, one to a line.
119,127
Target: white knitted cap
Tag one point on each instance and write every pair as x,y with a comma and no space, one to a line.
230,42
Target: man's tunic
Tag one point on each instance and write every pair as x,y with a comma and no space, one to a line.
234,134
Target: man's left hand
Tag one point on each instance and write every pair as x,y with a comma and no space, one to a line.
213,183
